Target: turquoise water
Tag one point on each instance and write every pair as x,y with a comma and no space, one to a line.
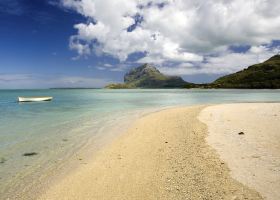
57,129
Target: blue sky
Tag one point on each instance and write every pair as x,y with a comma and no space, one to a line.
34,40
66,43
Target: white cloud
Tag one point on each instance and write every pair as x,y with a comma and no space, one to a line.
179,31
82,49
78,81
13,81
108,65
224,63
113,68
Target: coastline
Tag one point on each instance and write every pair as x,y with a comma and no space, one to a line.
26,186
163,155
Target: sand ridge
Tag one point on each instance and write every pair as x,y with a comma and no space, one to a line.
162,156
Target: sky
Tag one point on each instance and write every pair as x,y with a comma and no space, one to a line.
90,43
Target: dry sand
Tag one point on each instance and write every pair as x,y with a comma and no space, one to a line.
253,158
162,156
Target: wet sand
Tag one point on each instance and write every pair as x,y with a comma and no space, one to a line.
163,155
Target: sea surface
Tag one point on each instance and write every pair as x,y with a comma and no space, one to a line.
58,129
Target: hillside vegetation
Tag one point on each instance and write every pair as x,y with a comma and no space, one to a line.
148,76
258,76
263,75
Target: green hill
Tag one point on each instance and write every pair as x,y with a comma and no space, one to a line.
147,76
258,76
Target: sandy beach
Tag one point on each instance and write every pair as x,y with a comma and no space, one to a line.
247,138
169,155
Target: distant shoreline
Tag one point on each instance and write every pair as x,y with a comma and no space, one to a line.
197,88
72,88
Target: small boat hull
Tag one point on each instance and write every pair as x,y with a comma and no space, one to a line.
34,99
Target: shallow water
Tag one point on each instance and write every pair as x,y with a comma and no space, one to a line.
57,129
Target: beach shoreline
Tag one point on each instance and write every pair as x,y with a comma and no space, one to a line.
246,137
163,155
26,186
220,151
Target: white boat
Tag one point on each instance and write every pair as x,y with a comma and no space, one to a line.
34,99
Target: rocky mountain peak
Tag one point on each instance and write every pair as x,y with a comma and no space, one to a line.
141,71
148,76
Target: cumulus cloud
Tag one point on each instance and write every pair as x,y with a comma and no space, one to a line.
184,32
224,63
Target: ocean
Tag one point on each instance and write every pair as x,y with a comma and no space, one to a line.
58,130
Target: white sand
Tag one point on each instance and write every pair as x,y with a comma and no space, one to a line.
162,156
253,158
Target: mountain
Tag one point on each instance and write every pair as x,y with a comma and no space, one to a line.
258,76
148,76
